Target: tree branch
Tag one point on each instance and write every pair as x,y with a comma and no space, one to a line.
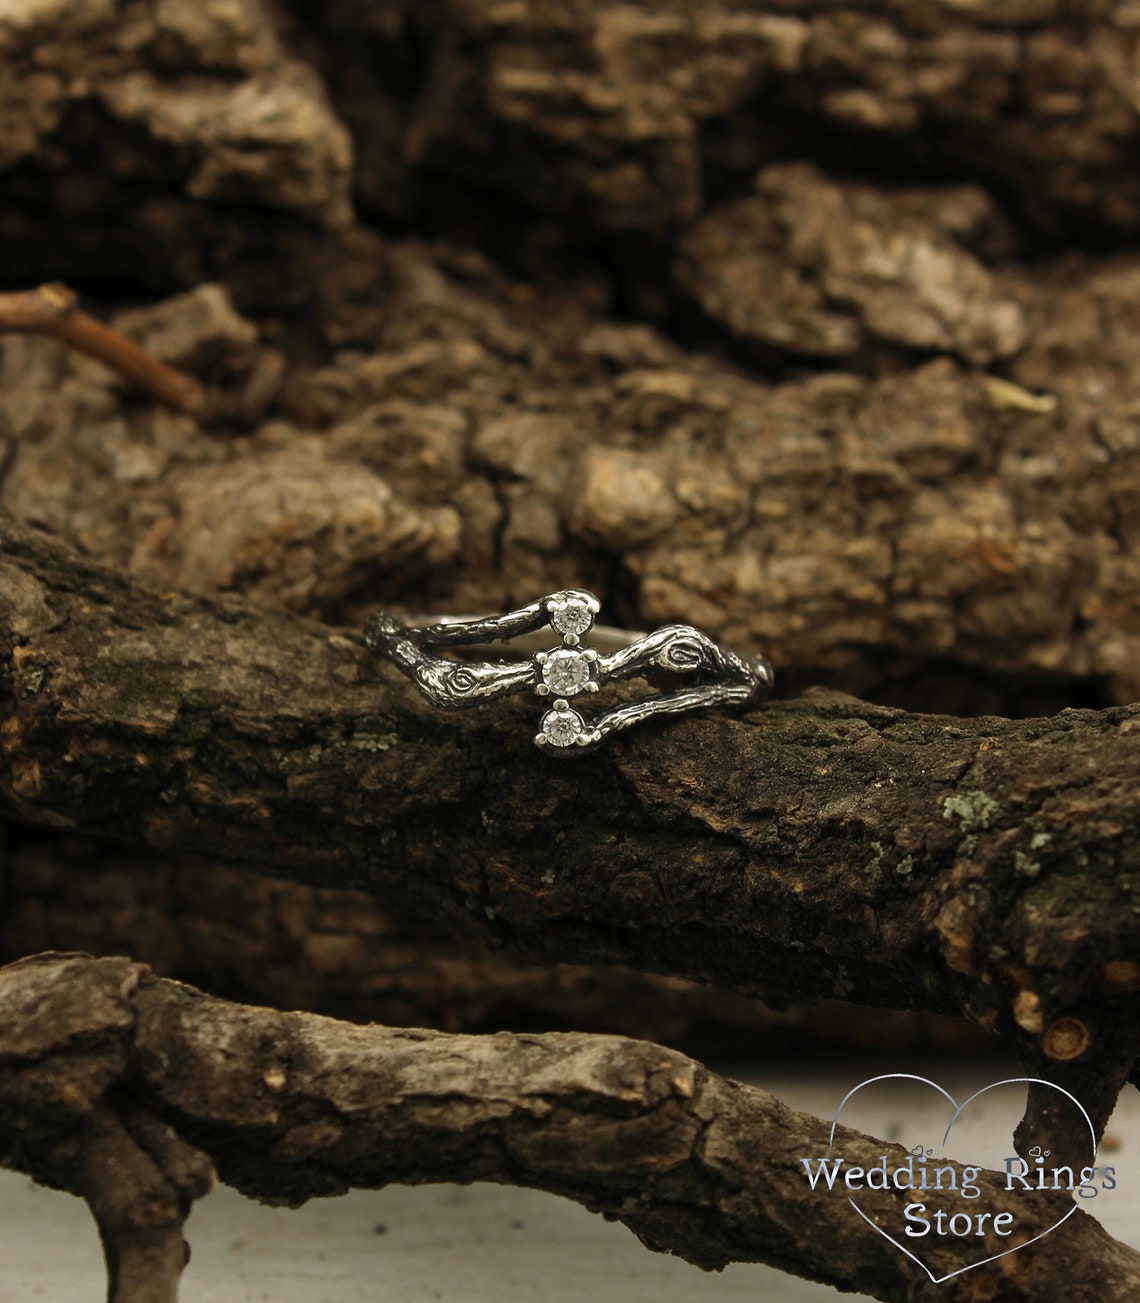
53,310
65,1031
819,847
239,934
293,1106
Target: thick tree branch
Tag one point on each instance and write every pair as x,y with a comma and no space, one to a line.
293,1106
239,934
818,847
65,1033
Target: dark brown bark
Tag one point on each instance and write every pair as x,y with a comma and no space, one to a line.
131,129
982,867
628,111
65,1032
292,1106
245,936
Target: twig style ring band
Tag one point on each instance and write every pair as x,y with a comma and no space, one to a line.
570,670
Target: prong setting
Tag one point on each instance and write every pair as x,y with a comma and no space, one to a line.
567,671
563,727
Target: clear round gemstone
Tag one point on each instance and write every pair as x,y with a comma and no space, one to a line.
571,616
563,727
566,671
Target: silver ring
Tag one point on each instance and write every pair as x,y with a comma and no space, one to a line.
568,671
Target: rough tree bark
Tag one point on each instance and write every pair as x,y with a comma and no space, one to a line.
624,110
272,941
984,867
817,328
291,1105
918,532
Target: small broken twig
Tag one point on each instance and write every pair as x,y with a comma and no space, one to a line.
53,310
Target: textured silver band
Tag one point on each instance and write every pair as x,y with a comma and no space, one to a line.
561,673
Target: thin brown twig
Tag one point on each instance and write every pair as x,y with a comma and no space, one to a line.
53,310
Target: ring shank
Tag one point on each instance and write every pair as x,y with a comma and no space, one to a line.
605,637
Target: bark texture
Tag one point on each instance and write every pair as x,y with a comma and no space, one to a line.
983,867
930,530
619,109
812,325
138,136
270,941
290,1106
212,83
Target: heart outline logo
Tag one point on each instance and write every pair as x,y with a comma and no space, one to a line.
1008,1081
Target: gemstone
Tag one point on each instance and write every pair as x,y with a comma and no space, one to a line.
563,727
571,616
566,671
